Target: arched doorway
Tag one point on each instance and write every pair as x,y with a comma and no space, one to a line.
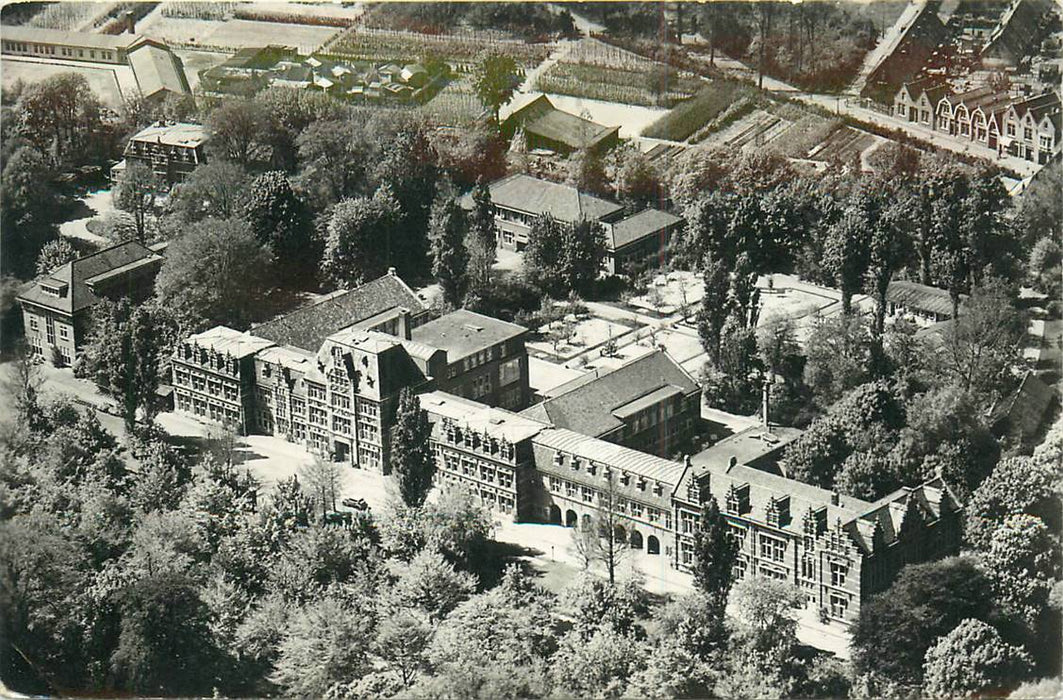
555,515
570,518
636,539
653,545
619,534
585,521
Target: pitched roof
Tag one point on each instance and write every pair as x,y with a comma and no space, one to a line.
752,447
156,70
639,226
308,327
921,297
76,278
1045,103
1018,31
563,202
592,449
575,132
593,407
462,333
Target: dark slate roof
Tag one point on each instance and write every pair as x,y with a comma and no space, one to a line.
920,297
1046,103
638,226
921,38
575,132
462,333
1018,31
564,202
590,407
307,328
75,276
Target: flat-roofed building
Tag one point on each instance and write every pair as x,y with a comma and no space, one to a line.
171,149
486,358
57,307
919,302
650,404
69,46
640,241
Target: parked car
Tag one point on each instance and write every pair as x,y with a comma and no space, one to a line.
355,503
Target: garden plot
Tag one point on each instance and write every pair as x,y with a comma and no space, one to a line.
104,82
754,131
843,145
454,105
461,50
587,334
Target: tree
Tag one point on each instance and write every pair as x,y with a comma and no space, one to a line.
1045,267
325,644
562,258
586,172
483,236
236,126
845,249
334,156
430,584
447,232
637,182
494,80
897,627
54,255
322,477
715,552
27,209
402,641
59,114
765,607
135,193
983,345
359,232
838,356
412,462
733,382
122,356
1021,561
714,308
973,661
583,253
213,190
23,387
596,667
1017,485
279,218
214,274
164,644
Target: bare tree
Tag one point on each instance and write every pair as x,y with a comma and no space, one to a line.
585,545
612,549
223,442
322,479
23,384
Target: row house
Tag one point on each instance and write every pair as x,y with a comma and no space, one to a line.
57,307
917,100
974,115
1032,128
487,451
839,550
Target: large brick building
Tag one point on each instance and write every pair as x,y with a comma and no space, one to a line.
565,461
57,307
171,150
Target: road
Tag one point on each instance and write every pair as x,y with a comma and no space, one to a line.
887,44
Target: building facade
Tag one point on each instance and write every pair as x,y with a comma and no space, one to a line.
57,307
69,46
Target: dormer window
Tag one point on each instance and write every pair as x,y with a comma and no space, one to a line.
591,468
737,502
53,288
778,511
658,488
266,371
625,478
559,459
642,484
575,464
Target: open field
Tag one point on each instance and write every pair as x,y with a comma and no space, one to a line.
455,105
196,61
844,144
103,81
235,34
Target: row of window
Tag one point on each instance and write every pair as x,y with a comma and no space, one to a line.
622,506
478,469
624,478
495,500
48,50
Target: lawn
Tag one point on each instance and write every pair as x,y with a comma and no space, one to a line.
686,118
237,33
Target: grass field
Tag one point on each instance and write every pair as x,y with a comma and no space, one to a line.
102,81
628,86
237,34
455,105
686,118
196,61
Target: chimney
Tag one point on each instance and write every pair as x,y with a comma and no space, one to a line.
732,463
391,271
130,21
834,498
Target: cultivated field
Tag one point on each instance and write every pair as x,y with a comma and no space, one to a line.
455,105
844,144
460,50
689,117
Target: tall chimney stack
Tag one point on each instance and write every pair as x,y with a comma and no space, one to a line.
765,405
130,21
